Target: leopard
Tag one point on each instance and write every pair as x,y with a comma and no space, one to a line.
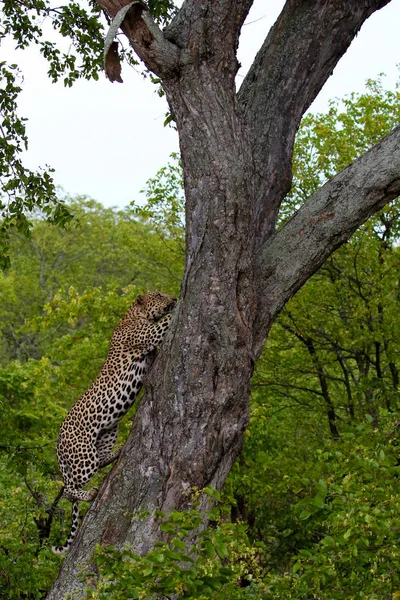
89,431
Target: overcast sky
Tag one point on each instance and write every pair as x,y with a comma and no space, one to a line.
105,140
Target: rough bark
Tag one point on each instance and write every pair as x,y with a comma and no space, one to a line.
236,152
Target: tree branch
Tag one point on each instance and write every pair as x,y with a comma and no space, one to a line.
158,54
300,388
322,224
296,59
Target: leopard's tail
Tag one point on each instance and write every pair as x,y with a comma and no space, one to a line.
73,530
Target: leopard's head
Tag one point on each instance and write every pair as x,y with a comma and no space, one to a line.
155,304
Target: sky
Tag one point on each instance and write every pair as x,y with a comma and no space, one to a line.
105,140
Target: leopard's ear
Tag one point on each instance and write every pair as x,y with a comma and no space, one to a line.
139,299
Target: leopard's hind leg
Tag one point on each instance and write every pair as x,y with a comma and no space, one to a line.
105,443
83,463
81,467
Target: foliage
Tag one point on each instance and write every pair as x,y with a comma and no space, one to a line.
165,205
70,38
108,251
209,567
25,190
326,143
352,519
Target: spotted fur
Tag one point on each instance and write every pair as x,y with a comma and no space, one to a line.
90,430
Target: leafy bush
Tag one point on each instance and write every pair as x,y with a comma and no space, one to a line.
214,566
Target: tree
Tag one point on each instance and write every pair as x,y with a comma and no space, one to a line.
239,270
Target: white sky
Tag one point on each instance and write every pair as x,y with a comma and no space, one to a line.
105,140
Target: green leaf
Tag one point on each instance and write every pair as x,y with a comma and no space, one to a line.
297,565
209,548
318,501
328,541
221,548
347,534
305,514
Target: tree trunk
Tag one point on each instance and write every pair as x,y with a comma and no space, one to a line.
239,272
